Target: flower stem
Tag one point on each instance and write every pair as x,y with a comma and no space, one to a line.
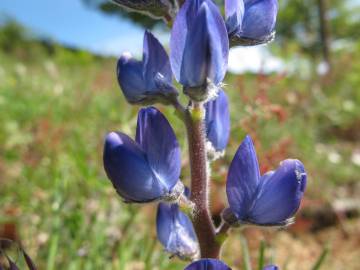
222,231
203,224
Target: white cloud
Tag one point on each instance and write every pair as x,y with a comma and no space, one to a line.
253,59
116,46
130,42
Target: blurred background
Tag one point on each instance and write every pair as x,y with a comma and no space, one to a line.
298,97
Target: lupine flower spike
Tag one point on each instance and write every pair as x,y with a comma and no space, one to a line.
268,200
217,122
147,169
208,264
147,81
250,22
153,8
175,232
199,48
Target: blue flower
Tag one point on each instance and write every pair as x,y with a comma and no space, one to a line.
175,232
217,121
153,8
147,169
269,200
251,22
213,264
208,264
147,81
271,267
199,47
234,13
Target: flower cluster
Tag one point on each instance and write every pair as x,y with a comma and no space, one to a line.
268,200
147,168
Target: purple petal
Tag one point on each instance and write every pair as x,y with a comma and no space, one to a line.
12,265
259,18
155,61
243,179
280,194
29,261
208,264
159,142
184,19
130,78
217,121
126,166
199,44
149,80
271,267
175,231
234,12
195,62
218,43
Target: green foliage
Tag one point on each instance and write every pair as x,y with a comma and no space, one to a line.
261,258
321,259
110,8
12,35
245,253
298,22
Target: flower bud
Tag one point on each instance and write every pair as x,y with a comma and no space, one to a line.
208,264
147,169
271,267
251,22
147,81
199,48
234,13
268,200
175,232
217,122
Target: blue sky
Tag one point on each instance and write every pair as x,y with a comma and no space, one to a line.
73,23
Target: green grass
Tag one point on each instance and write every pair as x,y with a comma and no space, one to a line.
55,110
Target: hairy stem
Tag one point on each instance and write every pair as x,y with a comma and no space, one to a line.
203,224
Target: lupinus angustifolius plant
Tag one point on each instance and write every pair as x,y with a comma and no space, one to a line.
147,169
